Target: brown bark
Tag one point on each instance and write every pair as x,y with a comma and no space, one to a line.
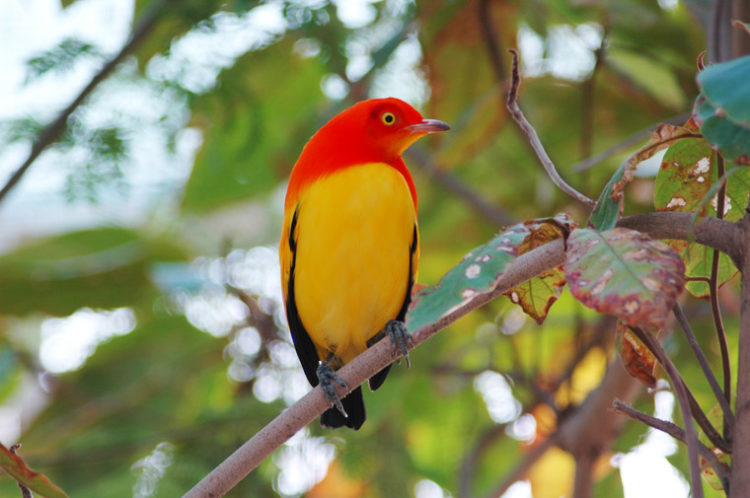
739,484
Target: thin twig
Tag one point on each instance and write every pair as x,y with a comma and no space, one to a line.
680,390
709,374
695,409
52,131
713,286
676,432
533,138
626,144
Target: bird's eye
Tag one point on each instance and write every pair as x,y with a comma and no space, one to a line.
388,118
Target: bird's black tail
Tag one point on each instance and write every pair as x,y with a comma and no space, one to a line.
355,408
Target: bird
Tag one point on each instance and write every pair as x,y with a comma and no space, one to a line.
349,246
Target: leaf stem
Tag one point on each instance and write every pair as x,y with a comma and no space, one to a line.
714,294
723,402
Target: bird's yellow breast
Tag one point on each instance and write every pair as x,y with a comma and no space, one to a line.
355,228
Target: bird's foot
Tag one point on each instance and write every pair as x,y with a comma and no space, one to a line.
400,337
327,376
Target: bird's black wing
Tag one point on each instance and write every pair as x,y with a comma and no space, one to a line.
308,355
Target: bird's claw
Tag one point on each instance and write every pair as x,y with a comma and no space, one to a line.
327,376
400,337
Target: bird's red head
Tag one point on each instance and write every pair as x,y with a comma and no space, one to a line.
375,130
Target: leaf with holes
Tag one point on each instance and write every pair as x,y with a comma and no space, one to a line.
637,359
609,206
17,469
537,295
624,273
686,182
478,271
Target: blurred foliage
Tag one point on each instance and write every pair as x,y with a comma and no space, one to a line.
154,410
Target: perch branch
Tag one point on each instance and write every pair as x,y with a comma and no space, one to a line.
53,130
533,138
228,473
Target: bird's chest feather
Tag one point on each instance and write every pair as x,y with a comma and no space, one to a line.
355,230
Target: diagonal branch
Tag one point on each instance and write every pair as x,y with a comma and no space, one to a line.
52,131
533,138
707,372
680,391
240,463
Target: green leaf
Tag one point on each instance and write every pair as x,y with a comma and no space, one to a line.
248,128
698,261
17,469
732,138
608,208
624,273
725,86
103,268
478,272
686,182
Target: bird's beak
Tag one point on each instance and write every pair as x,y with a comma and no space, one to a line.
428,126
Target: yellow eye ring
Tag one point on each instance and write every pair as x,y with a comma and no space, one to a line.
388,118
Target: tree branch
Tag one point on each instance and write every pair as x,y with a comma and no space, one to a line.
707,372
52,131
680,391
227,474
533,138
740,478
719,234
626,144
713,292
676,432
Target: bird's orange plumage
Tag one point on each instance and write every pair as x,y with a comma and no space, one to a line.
350,246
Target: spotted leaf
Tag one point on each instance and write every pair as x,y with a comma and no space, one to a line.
637,359
624,273
686,182
479,271
609,206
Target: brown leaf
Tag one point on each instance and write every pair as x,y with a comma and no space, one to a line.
637,359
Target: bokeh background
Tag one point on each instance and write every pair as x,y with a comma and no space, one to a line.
142,336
